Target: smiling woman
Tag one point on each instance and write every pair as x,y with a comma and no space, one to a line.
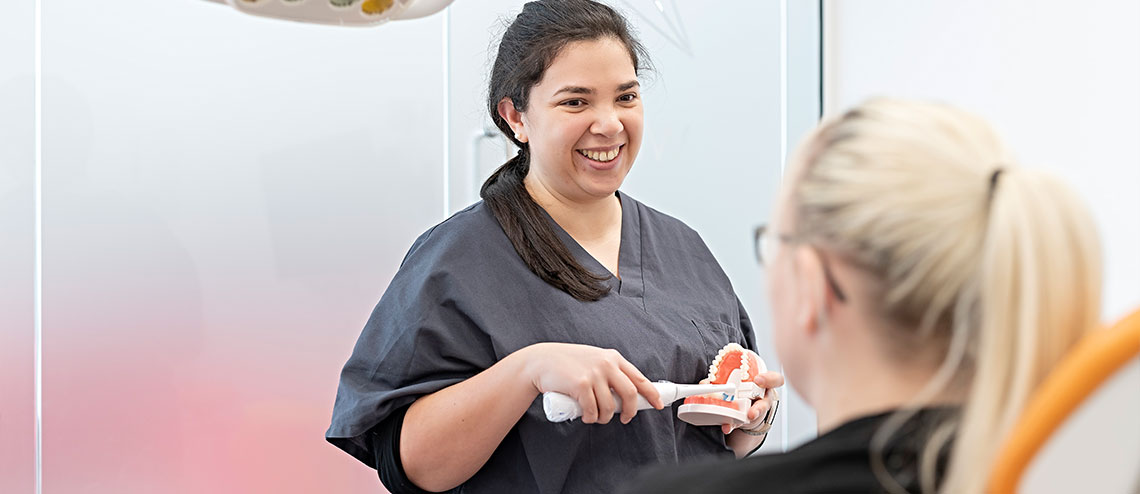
556,282
562,93
583,133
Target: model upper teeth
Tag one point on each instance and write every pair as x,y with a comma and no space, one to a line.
729,348
602,156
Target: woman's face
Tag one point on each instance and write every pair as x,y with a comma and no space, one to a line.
584,121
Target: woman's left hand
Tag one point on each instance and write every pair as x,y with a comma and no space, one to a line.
759,410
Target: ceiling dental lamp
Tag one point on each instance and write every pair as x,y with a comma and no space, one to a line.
339,12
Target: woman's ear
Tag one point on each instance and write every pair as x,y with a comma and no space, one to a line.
513,117
811,290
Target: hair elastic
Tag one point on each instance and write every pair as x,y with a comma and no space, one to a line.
993,182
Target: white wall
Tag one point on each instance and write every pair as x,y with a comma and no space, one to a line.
1059,80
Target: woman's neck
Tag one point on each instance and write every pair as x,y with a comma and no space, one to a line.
587,221
864,379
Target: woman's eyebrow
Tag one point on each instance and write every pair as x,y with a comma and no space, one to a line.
574,90
585,90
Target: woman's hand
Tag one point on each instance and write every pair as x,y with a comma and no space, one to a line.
759,410
587,374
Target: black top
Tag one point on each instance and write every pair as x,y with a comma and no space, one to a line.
835,463
385,440
463,299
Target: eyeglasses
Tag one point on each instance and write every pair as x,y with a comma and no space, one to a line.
767,243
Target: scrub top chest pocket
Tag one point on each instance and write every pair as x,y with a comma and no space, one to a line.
716,334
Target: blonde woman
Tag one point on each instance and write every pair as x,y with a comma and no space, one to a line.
922,285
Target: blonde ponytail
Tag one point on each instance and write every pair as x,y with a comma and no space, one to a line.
996,264
1039,286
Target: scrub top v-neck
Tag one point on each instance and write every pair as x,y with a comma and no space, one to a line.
628,282
463,299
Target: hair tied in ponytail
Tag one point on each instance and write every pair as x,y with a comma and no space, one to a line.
528,47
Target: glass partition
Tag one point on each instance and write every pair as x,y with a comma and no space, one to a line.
225,198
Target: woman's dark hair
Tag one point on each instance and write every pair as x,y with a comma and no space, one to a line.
528,47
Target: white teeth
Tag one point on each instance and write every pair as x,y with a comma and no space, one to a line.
731,347
600,156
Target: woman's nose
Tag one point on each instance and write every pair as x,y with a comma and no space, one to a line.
607,123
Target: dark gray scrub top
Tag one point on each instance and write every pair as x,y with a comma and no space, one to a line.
463,299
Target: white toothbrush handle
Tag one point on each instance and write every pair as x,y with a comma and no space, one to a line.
560,407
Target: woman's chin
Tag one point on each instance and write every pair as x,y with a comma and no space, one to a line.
604,184
601,190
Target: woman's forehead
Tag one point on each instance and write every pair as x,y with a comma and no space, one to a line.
601,65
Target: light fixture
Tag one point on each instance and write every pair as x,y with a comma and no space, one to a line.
339,12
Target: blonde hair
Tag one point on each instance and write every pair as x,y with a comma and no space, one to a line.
997,263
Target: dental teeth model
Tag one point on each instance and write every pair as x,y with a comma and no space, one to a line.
733,365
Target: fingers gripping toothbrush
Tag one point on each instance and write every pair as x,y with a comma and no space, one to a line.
560,407
724,400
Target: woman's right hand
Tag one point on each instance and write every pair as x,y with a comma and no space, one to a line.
587,374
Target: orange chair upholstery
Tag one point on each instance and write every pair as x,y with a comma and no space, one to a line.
1100,358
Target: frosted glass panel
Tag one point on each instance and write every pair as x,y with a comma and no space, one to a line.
17,248
226,198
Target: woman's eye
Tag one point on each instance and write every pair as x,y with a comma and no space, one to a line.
574,103
627,98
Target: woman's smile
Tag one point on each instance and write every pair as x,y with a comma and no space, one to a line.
601,159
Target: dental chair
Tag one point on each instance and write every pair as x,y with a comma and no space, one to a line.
1080,431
